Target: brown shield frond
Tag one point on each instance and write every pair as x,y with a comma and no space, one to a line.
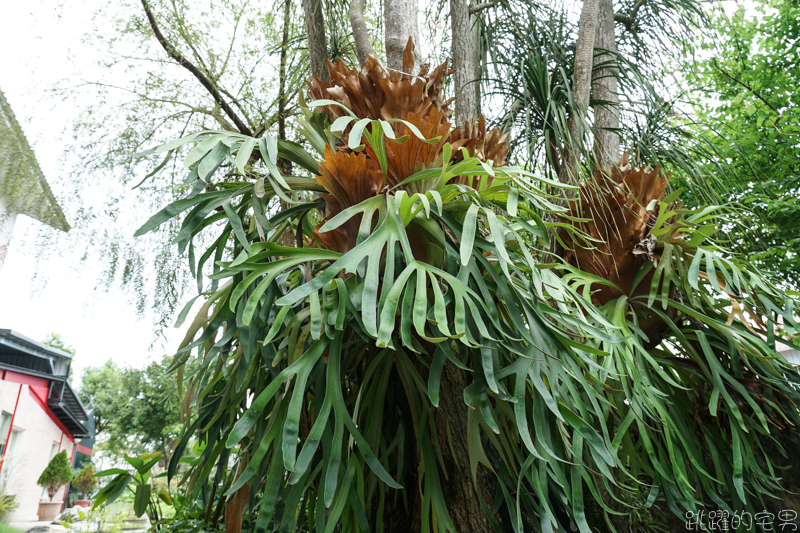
472,136
349,179
377,93
616,204
406,158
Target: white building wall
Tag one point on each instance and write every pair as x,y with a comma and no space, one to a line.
790,353
38,437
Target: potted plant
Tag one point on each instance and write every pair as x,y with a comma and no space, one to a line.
57,474
7,507
85,481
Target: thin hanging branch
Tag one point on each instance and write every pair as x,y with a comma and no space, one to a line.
757,95
204,81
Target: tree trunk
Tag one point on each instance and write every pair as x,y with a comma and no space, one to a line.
606,116
400,21
573,144
360,32
460,492
317,43
584,55
465,60
284,165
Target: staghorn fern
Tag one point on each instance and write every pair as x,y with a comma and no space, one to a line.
414,343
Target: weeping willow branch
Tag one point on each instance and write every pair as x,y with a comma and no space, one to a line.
188,65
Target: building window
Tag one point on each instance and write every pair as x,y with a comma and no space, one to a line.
10,463
16,436
5,424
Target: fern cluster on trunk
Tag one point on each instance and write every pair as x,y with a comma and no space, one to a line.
414,365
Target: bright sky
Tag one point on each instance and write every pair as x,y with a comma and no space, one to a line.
41,45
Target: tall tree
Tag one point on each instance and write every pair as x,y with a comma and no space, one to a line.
581,90
419,321
466,61
744,90
400,25
605,86
136,411
317,42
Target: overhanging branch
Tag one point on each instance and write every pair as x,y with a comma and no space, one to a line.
204,81
629,19
757,95
477,8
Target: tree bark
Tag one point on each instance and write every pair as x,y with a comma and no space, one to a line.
573,143
287,238
317,43
284,165
584,55
606,116
360,32
400,21
465,61
460,492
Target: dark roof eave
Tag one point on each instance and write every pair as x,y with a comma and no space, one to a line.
32,373
63,414
77,400
15,340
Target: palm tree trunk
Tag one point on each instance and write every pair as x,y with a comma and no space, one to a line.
606,116
465,60
317,43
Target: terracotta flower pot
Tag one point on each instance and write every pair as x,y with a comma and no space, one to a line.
48,511
84,503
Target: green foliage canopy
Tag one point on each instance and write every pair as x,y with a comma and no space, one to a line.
136,410
746,106
321,371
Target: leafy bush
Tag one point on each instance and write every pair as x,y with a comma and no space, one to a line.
85,481
57,474
7,505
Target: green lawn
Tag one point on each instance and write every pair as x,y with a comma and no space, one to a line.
5,528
